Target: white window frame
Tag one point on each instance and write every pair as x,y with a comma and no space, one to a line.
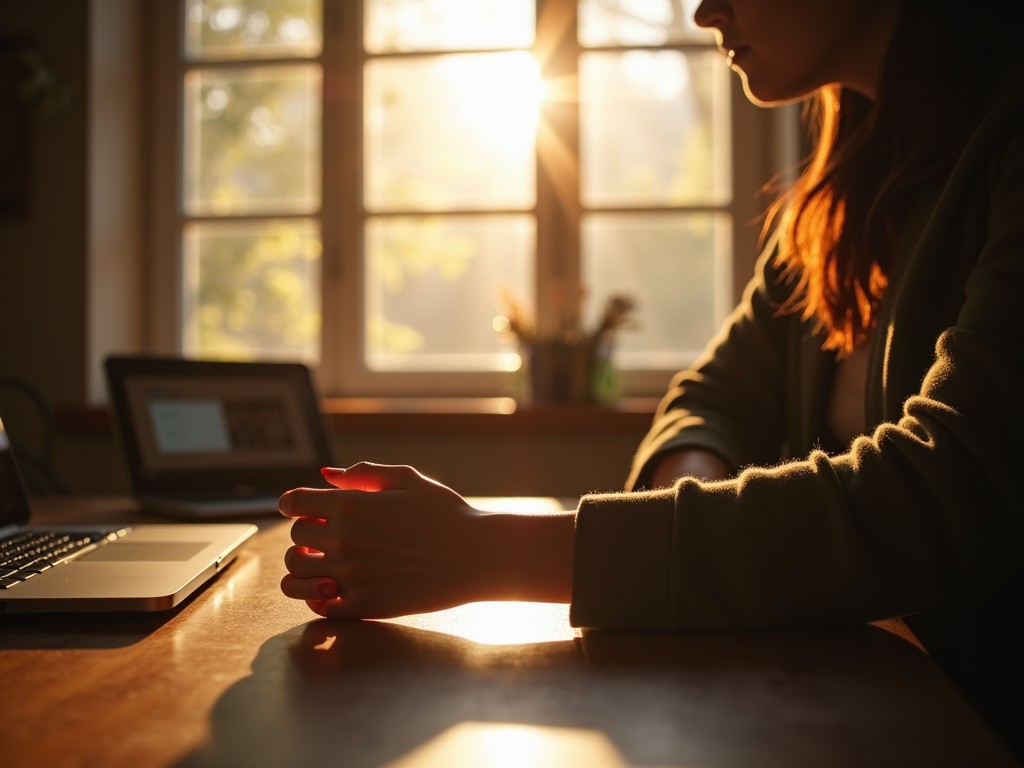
763,142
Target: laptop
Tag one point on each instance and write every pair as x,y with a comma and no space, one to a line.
102,568
216,439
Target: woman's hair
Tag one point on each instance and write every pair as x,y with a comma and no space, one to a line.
840,221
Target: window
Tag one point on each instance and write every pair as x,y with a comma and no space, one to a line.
358,183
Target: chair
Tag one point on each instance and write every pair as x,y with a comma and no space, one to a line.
31,428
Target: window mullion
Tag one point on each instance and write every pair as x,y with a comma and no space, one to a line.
558,187
342,214
162,272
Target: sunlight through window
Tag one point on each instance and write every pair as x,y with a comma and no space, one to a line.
510,745
499,623
347,168
500,100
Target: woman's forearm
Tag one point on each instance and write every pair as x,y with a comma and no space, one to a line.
688,462
526,556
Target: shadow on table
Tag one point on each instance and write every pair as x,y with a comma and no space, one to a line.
356,693
373,694
86,631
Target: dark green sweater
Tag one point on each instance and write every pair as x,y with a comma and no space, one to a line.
920,517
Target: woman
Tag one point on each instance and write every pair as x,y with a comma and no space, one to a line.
846,450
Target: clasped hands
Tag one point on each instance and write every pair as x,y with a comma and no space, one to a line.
387,541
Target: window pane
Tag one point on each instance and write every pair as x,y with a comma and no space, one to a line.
676,265
432,288
233,29
447,25
252,140
440,135
654,129
639,22
252,290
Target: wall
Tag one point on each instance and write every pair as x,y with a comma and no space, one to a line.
493,456
43,255
77,247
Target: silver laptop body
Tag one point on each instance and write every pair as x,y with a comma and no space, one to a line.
123,568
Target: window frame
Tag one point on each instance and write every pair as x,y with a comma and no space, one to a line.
763,142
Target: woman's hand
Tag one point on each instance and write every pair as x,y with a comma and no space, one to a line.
386,541
688,462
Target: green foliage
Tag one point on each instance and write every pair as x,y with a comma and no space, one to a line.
403,249
258,292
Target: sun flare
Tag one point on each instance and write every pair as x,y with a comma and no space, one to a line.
501,98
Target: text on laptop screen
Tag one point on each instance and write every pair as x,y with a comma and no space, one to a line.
210,421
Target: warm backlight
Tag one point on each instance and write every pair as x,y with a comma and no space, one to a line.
512,745
498,623
502,101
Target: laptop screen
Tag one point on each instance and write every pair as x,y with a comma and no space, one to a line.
217,423
14,509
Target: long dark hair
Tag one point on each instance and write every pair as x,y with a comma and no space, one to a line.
839,222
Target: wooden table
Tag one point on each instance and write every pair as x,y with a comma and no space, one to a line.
242,676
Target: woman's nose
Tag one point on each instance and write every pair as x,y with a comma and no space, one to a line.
711,14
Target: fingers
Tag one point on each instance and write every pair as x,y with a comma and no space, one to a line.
360,607
333,609
370,546
359,479
322,596
313,588
322,503
310,532
306,502
304,562
366,476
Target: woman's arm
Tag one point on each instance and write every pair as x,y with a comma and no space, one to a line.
687,462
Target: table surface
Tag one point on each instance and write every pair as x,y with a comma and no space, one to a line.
242,676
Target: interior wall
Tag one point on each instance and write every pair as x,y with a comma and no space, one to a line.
560,464
115,194
43,252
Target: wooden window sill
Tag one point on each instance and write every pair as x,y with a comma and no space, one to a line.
497,414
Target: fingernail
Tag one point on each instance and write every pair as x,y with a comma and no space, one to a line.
325,471
327,588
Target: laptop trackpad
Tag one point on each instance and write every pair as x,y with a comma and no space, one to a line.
148,552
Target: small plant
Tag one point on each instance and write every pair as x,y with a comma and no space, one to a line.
571,364
618,314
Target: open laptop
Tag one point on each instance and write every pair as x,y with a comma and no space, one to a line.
102,568
212,439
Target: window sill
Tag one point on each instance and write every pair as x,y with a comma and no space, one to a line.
497,414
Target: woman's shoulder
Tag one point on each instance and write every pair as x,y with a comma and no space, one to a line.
997,132
1003,113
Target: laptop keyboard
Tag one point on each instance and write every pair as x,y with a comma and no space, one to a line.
26,553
